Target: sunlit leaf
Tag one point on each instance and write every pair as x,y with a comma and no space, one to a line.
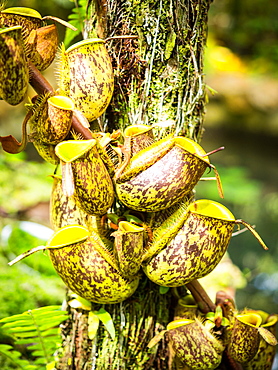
76,19
107,321
14,357
163,289
93,324
39,331
80,302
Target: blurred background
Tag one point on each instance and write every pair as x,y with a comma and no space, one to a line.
242,115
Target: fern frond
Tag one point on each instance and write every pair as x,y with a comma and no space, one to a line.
37,329
76,19
14,357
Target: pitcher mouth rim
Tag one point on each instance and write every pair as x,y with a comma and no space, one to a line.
83,146
221,212
85,42
195,149
16,11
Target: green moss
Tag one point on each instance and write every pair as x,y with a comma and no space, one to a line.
162,83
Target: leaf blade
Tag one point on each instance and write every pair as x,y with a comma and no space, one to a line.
107,321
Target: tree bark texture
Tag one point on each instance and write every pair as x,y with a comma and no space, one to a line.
159,81
158,75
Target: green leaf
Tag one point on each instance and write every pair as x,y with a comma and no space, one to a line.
225,322
19,329
93,324
76,19
163,289
47,309
50,332
37,329
38,353
14,318
41,360
49,315
210,316
5,347
45,318
70,34
21,323
132,218
14,356
48,341
80,302
50,325
24,341
33,346
26,334
107,321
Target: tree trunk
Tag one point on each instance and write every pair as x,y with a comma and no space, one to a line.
158,66
159,75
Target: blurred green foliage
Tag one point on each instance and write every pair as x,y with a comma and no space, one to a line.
246,199
250,29
77,19
31,283
34,282
23,183
239,190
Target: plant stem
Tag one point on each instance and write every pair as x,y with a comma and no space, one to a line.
201,298
42,86
39,334
38,81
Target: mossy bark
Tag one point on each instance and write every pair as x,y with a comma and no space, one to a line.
159,81
159,74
